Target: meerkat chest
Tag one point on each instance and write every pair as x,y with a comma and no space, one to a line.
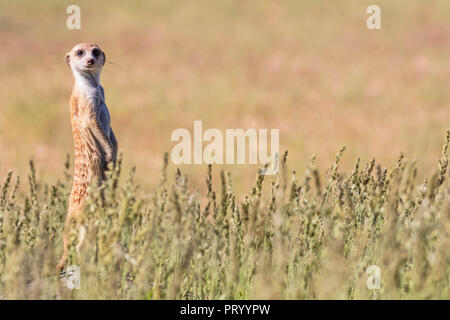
89,94
92,108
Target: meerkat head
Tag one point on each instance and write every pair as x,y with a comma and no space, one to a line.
86,58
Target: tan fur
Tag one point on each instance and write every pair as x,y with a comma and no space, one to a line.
94,140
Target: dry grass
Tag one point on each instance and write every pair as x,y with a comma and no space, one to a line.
309,68
306,240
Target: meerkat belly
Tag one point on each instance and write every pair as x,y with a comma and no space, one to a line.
88,157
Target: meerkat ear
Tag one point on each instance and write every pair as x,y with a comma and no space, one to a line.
68,59
104,58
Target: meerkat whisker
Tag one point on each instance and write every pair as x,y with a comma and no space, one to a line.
113,63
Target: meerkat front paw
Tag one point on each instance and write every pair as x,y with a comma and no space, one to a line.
109,157
61,262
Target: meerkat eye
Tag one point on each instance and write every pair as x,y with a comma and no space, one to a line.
95,52
80,53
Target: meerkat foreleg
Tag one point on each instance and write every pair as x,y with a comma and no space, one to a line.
103,139
113,139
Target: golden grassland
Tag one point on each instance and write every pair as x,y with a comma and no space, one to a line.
310,68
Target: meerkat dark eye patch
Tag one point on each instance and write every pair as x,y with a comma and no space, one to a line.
95,53
80,53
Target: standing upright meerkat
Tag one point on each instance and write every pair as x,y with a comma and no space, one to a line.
94,140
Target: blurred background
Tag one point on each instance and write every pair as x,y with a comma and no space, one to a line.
309,68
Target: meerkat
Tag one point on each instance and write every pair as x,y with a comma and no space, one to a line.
94,140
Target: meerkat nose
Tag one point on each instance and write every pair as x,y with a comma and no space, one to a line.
90,62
